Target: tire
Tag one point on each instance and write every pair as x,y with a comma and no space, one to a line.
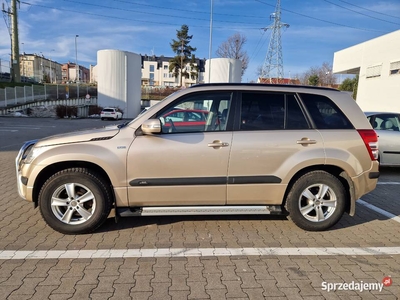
307,209
96,207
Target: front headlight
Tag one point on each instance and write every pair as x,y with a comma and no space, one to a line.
32,154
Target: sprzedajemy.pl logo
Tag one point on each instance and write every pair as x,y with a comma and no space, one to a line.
356,286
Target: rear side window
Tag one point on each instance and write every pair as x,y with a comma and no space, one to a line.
325,113
271,111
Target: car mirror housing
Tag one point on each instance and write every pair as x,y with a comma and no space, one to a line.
151,126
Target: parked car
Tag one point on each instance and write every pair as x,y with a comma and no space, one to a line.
185,120
111,113
306,152
387,126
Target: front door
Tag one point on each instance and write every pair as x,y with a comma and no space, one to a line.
187,163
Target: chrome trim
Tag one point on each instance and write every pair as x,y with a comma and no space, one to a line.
208,210
18,160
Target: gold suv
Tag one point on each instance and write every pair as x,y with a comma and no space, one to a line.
210,149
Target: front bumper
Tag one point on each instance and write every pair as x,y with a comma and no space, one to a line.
19,160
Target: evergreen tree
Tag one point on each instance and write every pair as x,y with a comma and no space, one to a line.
184,54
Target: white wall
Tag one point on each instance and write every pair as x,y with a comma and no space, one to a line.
119,75
380,93
223,70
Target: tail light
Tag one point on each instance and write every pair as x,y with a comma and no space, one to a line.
370,139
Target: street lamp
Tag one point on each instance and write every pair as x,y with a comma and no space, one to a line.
51,77
76,66
41,66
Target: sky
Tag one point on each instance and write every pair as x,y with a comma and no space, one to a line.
317,28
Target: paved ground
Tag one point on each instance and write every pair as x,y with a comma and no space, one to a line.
190,257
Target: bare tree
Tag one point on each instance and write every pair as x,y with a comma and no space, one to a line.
324,74
233,48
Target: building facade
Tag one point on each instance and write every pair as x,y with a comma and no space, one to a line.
69,73
377,62
155,72
34,67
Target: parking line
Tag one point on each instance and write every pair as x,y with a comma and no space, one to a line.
379,210
191,252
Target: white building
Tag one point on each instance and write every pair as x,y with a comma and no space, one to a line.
223,70
119,81
377,62
155,72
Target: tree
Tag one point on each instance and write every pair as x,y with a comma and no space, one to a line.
233,48
324,74
350,85
184,53
313,80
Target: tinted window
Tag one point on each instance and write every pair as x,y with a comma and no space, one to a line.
324,113
268,111
197,113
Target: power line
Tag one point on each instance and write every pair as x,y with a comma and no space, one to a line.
130,19
191,11
374,11
360,13
153,13
322,20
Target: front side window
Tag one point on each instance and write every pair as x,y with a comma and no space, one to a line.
197,113
325,113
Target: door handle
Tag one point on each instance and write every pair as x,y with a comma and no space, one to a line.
306,141
218,144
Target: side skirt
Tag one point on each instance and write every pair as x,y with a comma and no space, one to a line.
199,210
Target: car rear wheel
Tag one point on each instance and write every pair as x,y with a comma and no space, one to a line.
75,201
316,201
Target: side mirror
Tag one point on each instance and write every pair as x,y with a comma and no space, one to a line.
151,126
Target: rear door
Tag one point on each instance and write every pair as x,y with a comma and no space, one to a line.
271,141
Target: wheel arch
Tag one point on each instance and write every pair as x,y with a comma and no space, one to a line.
335,171
50,170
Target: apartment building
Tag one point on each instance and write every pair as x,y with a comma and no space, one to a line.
155,72
39,68
70,74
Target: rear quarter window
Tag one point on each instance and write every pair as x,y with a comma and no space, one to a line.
324,113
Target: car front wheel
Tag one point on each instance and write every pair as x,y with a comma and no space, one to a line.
75,201
316,201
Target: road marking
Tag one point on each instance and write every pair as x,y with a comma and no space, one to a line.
389,182
21,127
8,130
379,210
190,252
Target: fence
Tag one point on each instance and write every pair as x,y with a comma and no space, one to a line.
14,96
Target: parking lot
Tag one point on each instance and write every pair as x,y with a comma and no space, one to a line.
193,257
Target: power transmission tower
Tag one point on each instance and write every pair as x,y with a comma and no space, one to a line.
13,30
272,69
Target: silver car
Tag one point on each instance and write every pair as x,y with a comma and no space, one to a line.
387,126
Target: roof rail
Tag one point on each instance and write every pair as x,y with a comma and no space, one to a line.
263,84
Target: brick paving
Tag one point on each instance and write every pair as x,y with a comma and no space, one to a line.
213,276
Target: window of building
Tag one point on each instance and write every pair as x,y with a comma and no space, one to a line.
165,67
395,67
165,75
151,76
374,71
151,68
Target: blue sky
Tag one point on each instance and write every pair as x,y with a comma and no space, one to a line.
317,29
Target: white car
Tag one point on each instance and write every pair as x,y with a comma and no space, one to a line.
111,113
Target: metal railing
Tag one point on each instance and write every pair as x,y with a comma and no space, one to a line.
14,96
